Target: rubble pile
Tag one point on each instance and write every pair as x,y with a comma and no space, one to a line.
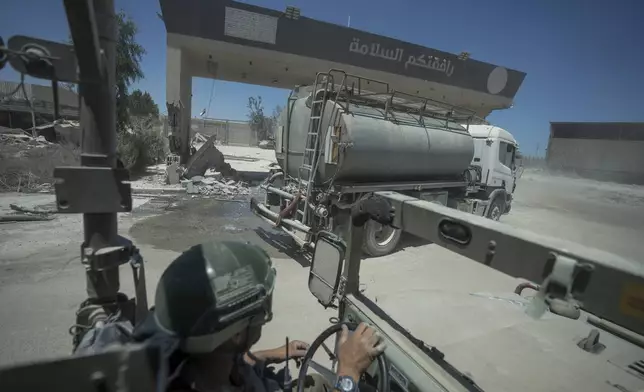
207,157
25,214
26,161
206,173
209,186
22,141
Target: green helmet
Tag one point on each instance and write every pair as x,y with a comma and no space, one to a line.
213,291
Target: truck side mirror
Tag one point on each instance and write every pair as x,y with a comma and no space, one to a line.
326,267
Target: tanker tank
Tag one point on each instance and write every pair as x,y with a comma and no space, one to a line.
402,147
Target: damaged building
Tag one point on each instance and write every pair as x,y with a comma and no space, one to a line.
16,104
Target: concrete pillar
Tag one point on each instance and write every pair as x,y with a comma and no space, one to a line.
179,93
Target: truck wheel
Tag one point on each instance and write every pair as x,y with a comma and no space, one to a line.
380,240
496,209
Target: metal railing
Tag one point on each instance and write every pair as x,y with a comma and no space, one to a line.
367,92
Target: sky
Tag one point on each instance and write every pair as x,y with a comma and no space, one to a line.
584,59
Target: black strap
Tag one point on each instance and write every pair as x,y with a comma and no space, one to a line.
253,357
140,291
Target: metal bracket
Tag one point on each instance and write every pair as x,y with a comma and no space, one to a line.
106,258
564,278
92,190
372,207
101,258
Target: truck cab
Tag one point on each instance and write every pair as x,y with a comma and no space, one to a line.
495,151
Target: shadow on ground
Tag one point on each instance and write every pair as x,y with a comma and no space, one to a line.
283,243
411,241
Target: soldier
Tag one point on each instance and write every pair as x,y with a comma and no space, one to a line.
211,305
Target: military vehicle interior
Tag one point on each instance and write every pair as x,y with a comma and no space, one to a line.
579,329
541,340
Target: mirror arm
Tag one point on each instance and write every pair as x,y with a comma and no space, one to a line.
350,279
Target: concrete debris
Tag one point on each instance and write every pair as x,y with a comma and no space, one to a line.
27,210
208,186
23,140
26,214
213,174
220,189
199,138
24,218
207,157
11,131
207,174
27,160
267,144
173,174
192,188
60,131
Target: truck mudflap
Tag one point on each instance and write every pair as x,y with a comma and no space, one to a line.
273,217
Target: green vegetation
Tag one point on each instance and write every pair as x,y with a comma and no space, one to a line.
140,138
261,124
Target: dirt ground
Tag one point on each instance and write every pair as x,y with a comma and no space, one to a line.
597,214
41,281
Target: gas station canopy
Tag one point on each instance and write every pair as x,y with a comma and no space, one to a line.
244,43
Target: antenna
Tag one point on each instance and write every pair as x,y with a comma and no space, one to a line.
287,376
349,21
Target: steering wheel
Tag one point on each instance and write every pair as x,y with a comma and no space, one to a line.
383,373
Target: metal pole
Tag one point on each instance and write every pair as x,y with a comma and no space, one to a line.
353,258
98,122
54,89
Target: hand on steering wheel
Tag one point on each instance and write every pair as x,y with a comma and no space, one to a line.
357,351
355,354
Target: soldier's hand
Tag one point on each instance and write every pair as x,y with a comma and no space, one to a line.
296,349
358,350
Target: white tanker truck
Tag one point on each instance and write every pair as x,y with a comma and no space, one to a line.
336,144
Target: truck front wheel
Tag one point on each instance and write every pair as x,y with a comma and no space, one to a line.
380,240
496,209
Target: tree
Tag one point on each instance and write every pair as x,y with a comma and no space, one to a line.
141,104
141,145
274,120
128,67
262,125
258,122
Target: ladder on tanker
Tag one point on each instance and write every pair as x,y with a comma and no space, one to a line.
307,171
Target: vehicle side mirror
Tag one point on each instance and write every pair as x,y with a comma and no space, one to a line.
326,267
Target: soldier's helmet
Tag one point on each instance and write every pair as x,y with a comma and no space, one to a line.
213,291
